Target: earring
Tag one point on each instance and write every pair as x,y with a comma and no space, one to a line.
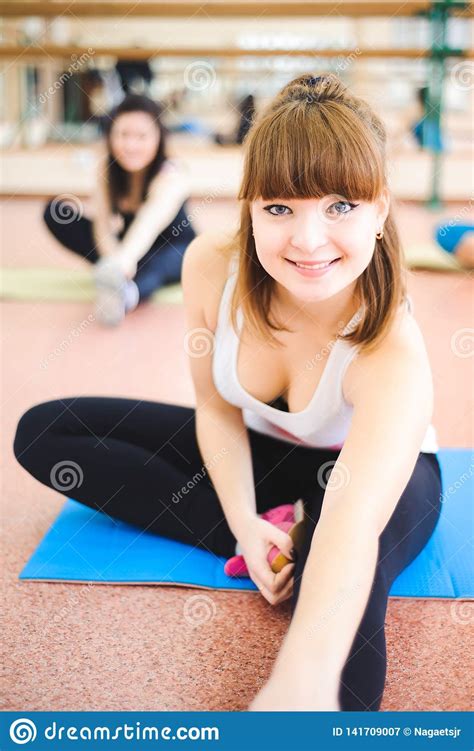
379,235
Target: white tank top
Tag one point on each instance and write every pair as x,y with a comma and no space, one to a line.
325,421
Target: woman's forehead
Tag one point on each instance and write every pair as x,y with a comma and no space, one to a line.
304,200
137,119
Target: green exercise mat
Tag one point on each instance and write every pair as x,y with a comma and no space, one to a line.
63,285
431,257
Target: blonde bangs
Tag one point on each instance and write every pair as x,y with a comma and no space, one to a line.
331,155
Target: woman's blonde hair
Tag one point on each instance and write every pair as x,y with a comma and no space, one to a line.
315,138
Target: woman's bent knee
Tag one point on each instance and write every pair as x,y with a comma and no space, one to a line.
48,215
31,426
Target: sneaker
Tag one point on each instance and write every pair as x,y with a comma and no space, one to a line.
110,283
291,519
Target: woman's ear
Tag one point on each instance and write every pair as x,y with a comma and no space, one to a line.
383,207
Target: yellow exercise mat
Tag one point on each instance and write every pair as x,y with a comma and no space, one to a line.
430,256
63,285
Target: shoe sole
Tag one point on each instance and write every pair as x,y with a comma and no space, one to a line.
109,307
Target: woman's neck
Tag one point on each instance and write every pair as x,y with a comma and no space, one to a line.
132,198
330,315
136,180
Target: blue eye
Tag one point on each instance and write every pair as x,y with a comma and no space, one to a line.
276,206
346,207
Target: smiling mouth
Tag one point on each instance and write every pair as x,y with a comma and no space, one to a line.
320,265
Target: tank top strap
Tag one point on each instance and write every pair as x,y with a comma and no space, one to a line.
224,305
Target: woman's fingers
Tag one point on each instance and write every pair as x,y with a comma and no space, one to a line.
274,583
285,595
261,580
265,575
282,540
285,592
282,578
276,598
281,588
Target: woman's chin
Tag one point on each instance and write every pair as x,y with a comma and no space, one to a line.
130,166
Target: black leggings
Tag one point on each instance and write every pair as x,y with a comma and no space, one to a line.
139,461
160,265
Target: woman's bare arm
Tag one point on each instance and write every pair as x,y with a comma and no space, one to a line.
166,195
106,242
221,433
393,400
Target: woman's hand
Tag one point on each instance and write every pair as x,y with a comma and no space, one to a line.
126,265
256,539
111,269
283,696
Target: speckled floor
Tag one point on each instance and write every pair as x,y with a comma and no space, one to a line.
84,647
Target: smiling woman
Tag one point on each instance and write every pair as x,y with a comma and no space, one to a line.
314,191
337,414
140,228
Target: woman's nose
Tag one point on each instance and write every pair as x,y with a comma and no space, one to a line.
310,233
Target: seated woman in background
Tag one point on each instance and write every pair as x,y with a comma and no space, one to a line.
140,228
457,239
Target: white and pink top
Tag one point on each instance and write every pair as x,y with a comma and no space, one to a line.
324,423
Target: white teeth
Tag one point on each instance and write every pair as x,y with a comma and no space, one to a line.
313,265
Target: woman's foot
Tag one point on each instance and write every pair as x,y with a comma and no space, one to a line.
115,294
290,518
457,239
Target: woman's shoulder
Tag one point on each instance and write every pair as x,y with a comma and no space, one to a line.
173,172
101,166
206,267
403,342
173,166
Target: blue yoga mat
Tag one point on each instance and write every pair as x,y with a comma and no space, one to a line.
84,545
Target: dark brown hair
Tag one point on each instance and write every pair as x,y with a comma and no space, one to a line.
316,138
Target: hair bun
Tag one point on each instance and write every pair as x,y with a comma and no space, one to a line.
312,80
314,89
